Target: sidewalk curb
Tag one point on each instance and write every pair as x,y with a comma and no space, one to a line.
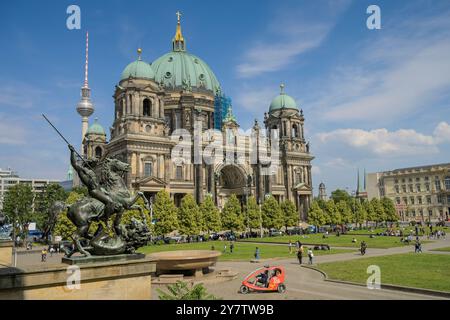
437,293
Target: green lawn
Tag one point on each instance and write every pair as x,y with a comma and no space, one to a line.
242,251
406,230
429,271
341,241
446,249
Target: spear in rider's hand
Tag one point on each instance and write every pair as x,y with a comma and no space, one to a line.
65,140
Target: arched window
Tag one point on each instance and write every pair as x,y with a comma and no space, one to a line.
447,183
148,169
298,175
98,152
130,110
295,131
147,108
179,173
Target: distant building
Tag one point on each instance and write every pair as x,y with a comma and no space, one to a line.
322,192
419,193
361,192
68,183
9,178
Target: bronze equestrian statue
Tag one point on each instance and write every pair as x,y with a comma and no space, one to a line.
108,197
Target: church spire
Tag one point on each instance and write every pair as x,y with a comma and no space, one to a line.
178,43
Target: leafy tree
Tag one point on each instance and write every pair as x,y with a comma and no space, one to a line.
272,216
81,190
378,210
188,216
44,206
332,213
231,215
211,215
344,211
165,213
18,206
290,214
64,227
340,195
181,291
389,210
370,211
316,216
360,213
253,214
322,204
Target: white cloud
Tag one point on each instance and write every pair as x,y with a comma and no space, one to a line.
405,70
442,132
385,143
296,33
338,163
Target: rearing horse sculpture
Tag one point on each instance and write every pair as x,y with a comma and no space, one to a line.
108,196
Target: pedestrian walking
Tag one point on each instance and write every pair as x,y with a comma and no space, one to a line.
44,255
231,247
300,255
257,253
290,246
310,256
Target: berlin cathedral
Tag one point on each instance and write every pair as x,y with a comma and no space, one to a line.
175,91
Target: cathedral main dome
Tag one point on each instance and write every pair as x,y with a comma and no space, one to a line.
180,69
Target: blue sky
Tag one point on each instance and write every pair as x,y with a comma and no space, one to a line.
374,99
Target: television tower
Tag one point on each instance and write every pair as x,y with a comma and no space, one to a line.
85,107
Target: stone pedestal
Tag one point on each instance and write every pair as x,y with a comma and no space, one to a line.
6,249
117,280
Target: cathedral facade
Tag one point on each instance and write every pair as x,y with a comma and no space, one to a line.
159,104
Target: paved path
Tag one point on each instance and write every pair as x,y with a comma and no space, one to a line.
302,283
309,284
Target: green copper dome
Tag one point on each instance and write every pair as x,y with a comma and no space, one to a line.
138,69
179,69
96,128
282,101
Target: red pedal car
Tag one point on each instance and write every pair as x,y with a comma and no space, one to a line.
266,279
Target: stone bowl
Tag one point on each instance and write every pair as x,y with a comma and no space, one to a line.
185,260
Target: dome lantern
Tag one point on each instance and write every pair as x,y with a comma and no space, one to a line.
178,43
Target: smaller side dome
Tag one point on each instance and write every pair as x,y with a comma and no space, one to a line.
96,128
282,101
138,69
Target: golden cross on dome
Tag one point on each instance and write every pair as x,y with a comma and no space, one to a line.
178,15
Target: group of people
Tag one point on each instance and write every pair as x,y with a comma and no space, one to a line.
231,247
301,251
437,234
